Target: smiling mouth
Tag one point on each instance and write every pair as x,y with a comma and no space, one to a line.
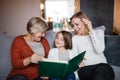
77,30
57,43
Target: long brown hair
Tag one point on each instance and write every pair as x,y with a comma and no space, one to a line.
67,36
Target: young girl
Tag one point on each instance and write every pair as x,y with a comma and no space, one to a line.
61,50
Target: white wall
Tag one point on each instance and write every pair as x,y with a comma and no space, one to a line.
61,9
14,15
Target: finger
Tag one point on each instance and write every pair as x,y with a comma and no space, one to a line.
84,59
38,57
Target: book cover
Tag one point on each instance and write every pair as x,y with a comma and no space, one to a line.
50,68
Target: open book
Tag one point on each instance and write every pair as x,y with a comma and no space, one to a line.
50,68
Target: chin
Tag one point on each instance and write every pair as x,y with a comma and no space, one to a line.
58,46
38,40
77,32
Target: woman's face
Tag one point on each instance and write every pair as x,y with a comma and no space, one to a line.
37,36
59,41
78,26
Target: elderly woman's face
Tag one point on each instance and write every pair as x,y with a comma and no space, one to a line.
37,36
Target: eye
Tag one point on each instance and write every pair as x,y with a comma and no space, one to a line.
76,24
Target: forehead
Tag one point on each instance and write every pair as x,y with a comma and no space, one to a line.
76,20
40,32
59,35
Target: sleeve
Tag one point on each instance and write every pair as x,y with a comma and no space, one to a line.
97,38
16,57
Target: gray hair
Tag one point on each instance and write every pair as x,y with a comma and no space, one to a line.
36,24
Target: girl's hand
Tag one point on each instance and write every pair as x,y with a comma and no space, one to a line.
87,24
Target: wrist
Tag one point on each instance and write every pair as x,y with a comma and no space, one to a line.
27,61
91,31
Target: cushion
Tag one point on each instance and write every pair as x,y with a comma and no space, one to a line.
2,35
116,70
112,49
5,61
100,27
50,36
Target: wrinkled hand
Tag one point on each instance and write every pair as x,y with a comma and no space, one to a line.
88,24
35,58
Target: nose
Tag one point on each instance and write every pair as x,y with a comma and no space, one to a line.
74,27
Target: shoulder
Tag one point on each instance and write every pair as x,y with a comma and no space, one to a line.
52,50
100,29
69,50
19,38
44,41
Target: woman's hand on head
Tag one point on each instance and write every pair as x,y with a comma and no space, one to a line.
35,58
87,24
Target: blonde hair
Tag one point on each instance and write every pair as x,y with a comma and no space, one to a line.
79,15
36,24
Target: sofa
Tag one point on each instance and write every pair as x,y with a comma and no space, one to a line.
112,52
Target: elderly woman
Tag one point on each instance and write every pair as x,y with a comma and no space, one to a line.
27,50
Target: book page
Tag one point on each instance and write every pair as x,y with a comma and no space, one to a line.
56,61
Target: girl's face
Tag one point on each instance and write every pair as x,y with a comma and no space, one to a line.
59,41
37,36
78,26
